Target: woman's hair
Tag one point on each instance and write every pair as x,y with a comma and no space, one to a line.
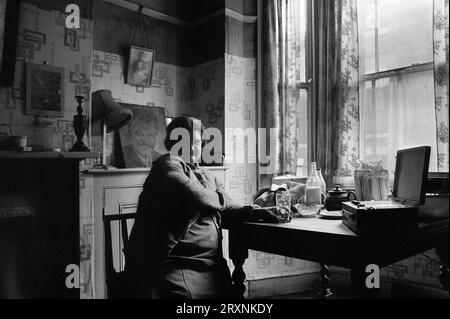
185,122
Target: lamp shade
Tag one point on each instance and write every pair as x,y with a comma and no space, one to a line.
104,107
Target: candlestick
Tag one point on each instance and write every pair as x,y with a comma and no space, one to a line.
79,126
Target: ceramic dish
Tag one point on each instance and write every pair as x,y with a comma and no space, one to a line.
332,214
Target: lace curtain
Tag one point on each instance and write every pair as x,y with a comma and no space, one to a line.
399,115
281,76
338,92
441,62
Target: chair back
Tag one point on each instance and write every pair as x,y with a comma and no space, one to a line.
115,280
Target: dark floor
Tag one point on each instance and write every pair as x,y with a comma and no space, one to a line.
314,295
402,291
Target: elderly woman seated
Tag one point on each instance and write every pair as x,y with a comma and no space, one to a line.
174,249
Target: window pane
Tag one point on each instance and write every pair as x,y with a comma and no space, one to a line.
366,27
302,131
303,20
405,32
394,33
401,114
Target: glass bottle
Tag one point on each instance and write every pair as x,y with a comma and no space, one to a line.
313,187
323,186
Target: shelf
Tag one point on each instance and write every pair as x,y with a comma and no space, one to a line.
100,171
47,155
216,168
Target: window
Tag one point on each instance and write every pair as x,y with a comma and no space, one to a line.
397,106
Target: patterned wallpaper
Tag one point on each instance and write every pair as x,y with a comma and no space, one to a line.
417,269
43,37
240,112
207,98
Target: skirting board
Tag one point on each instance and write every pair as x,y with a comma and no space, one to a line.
278,286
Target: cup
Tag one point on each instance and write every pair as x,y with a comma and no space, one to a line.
283,203
283,199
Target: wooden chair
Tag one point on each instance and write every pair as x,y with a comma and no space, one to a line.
115,279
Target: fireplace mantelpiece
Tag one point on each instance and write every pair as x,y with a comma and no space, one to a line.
49,183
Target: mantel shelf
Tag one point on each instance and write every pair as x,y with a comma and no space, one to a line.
95,171
47,155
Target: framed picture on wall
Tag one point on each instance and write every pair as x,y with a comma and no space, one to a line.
140,66
44,90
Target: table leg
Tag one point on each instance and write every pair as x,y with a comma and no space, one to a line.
325,289
238,254
238,277
442,252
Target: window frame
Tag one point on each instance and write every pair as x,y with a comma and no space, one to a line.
309,83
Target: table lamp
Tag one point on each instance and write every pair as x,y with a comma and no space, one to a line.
112,114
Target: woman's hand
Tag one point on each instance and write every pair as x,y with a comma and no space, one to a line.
270,215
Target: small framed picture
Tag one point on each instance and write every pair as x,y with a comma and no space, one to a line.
44,90
140,66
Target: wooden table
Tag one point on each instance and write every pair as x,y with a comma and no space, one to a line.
329,242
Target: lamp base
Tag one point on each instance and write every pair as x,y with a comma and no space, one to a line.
79,147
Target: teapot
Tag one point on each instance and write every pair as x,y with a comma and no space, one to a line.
335,198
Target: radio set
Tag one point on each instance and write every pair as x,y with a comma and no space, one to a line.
399,214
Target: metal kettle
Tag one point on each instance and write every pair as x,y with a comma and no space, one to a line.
335,198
